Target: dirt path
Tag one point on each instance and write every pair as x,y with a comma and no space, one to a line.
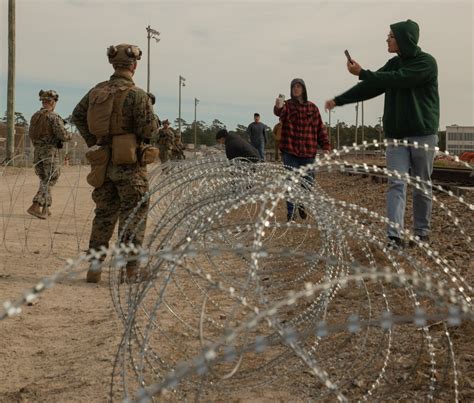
62,348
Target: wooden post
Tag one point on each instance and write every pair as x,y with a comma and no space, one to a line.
10,150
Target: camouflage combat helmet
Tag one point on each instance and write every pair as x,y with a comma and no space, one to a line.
123,54
49,95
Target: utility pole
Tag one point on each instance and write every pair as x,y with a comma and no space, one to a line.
196,101
11,83
380,129
329,131
362,130
357,121
181,84
356,125
150,33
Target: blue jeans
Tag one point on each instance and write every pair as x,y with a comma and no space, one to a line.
261,150
292,162
416,162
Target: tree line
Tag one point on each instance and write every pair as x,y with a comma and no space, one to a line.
206,133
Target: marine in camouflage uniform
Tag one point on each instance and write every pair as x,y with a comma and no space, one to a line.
47,133
165,141
120,198
177,152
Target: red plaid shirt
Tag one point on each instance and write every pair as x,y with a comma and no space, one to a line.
302,129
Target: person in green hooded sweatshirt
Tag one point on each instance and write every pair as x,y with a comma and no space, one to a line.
411,112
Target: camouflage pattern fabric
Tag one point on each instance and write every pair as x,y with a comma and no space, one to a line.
49,95
137,109
46,160
116,199
46,163
177,153
165,144
125,185
59,132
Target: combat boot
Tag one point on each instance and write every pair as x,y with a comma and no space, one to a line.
35,210
94,272
46,212
133,274
93,276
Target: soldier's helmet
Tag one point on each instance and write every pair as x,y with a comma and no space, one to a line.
48,95
123,54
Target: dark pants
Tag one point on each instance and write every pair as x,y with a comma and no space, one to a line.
261,150
292,162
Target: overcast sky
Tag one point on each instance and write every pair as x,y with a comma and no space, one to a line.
236,56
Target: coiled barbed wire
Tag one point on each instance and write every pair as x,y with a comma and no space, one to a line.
235,298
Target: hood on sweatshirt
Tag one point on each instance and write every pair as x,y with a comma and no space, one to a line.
407,34
299,81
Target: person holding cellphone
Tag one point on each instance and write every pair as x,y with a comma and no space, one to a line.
302,132
411,112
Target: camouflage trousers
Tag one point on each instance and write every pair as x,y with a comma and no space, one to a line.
177,154
120,199
46,163
164,153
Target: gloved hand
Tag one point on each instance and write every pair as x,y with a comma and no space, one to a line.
94,148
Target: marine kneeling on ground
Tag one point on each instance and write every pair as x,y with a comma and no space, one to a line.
117,121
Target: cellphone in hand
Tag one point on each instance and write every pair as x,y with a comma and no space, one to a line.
349,59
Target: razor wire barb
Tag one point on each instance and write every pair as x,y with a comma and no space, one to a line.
236,298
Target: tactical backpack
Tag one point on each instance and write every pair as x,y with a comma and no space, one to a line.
40,126
104,115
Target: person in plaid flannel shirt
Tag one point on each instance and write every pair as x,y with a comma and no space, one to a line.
302,132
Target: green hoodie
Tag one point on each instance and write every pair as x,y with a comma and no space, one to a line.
410,84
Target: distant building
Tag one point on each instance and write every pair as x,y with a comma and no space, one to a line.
76,148
21,139
459,139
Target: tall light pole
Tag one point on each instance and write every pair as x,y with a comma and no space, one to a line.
357,125
11,83
330,127
150,33
380,129
181,84
362,129
357,121
196,101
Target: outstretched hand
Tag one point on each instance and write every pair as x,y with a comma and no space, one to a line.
329,105
354,67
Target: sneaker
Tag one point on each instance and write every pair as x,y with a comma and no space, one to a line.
302,212
395,242
291,218
421,238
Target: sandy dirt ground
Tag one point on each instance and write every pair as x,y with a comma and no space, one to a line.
62,348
